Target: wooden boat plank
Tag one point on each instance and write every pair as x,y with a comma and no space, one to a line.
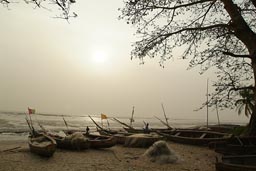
42,145
237,163
196,137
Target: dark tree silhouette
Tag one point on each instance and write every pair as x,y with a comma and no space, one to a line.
213,33
246,102
63,6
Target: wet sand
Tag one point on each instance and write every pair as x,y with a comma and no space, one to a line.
117,158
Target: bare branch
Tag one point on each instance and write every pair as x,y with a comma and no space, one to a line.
236,55
179,6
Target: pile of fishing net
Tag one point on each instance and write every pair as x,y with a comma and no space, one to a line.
77,141
159,152
141,140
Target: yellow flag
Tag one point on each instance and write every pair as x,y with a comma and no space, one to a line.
103,116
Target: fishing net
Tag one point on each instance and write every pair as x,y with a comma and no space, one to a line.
78,141
160,152
141,140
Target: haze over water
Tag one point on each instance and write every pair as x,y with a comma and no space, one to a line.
84,67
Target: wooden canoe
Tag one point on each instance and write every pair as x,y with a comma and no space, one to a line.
143,131
235,146
62,143
42,145
70,142
99,141
135,130
195,137
141,140
93,141
237,163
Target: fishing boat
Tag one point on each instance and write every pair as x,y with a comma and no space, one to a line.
119,136
99,141
195,137
85,142
136,130
223,128
141,140
62,142
143,131
146,129
102,130
235,146
237,163
108,132
74,141
42,145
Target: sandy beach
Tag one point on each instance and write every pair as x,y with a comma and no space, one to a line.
117,158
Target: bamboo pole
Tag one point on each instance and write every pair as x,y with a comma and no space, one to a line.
207,106
132,120
166,119
98,126
122,123
168,126
217,110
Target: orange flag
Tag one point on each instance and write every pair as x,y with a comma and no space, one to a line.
103,116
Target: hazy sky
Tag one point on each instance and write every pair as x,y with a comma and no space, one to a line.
84,67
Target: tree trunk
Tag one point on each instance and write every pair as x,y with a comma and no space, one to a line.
244,33
252,123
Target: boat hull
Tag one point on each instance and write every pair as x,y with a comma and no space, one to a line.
42,145
237,163
195,137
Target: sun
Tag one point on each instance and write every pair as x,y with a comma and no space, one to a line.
99,61
99,57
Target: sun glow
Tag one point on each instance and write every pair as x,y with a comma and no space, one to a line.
99,57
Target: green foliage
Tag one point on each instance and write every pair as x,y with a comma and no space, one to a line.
246,102
241,130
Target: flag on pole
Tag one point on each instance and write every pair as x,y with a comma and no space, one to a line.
31,111
103,116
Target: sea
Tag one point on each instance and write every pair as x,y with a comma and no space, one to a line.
13,125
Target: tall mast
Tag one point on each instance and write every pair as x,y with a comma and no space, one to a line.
207,106
132,120
166,119
217,113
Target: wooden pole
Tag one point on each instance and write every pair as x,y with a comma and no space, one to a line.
98,126
126,125
217,114
132,120
65,122
207,106
163,123
166,119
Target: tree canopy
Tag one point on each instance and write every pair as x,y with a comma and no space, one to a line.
217,33
63,6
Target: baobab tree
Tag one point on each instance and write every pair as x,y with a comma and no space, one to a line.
212,33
